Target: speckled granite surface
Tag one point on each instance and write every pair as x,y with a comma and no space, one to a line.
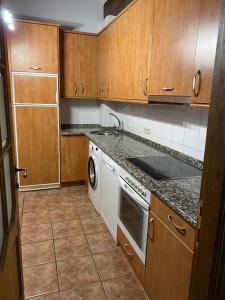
182,195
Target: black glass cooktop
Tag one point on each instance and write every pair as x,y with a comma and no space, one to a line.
165,167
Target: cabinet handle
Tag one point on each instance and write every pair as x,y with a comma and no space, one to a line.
196,92
82,89
145,90
35,68
151,232
167,89
128,253
75,88
22,170
181,230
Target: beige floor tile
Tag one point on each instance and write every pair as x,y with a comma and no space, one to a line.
40,279
31,205
63,214
124,288
86,212
51,296
67,228
34,218
36,195
112,264
101,242
38,253
76,271
71,247
85,292
36,233
92,225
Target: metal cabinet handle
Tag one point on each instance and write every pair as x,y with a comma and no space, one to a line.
128,253
151,232
167,89
35,68
22,170
181,230
75,88
145,90
82,89
196,91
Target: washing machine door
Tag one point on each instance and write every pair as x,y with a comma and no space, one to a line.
92,172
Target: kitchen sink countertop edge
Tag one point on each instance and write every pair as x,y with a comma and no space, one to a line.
181,195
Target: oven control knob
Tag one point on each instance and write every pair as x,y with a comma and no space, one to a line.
144,194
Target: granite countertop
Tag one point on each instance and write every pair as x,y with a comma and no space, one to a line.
182,195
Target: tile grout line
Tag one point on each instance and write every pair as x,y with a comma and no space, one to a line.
57,274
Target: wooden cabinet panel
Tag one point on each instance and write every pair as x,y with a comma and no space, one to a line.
70,64
34,47
73,158
86,159
37,136
174,44
168,267
88,66
35,89
171,219
206,50
131,255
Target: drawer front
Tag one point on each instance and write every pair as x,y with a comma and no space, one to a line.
174,222
35,89
131,255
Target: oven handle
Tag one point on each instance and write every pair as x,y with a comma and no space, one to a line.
133,194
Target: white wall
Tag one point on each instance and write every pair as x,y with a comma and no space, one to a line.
179,127
80,111
85,15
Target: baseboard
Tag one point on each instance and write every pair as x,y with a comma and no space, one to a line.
38,187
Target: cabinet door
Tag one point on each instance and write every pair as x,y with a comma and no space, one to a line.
174,44
34,48
88,66
73,157
69,44
135,44
35,89
37,138
103,61
168,267
206,50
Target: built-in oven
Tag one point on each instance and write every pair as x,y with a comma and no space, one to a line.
134,213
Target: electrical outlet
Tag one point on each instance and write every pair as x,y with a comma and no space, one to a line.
147,130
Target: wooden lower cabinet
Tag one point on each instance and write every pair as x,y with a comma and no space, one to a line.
74,158
38,144
131,255
169,263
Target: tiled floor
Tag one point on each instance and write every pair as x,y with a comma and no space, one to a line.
68,254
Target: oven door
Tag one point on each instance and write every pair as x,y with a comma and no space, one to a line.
133,218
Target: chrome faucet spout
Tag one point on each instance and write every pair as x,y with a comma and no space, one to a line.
119,122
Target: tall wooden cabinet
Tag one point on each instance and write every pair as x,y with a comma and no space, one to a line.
34,76
205,52
78,65
174,43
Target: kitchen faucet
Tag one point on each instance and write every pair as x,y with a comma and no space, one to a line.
120,127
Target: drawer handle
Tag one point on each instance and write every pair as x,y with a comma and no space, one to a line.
35,68
167,89
151,232
82,89
181,230
75,88
128,253
145,90
196,92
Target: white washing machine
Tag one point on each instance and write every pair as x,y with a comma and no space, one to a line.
94,169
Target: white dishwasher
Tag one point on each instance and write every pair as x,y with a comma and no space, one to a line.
110,188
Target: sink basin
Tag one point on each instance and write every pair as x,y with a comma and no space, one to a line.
103,132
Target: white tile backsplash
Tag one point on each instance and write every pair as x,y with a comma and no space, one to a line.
179,127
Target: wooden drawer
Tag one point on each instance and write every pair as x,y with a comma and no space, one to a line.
134,260
176,224
35,89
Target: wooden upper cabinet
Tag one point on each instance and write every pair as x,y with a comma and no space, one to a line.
174,45
206,50
34,48
69,64
134,50
88,65
78,65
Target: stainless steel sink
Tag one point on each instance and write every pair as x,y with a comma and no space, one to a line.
104,132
